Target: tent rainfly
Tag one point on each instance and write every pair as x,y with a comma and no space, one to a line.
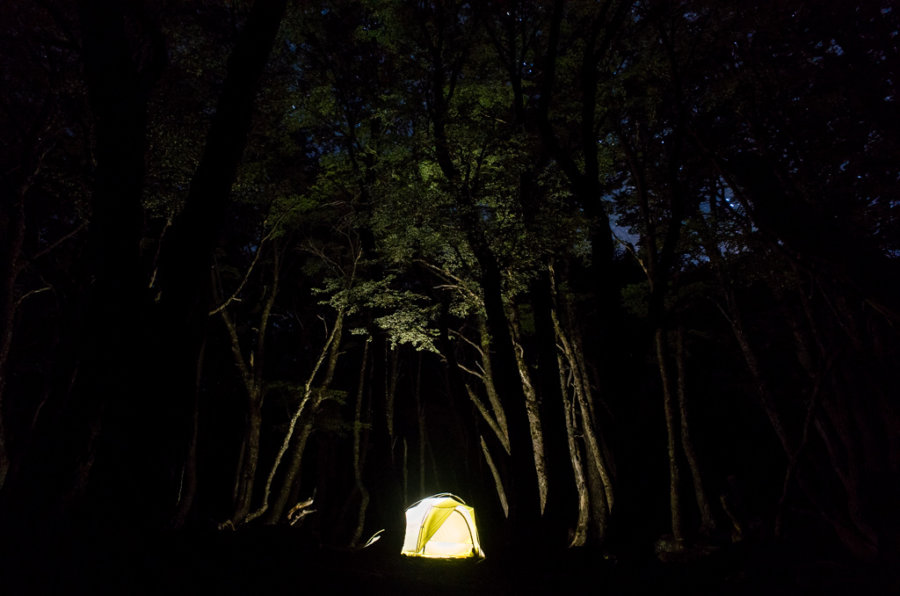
441,527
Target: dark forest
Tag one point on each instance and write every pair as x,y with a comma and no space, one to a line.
623,275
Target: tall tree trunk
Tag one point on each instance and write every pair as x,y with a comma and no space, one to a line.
422,439
104,417
707,521
534,414
358,447
392,365
595,472
14,237
600,454
562,496
523,494
584,174
671,434
387,502
546,405
659,262
189,477
405,479
593,480
246,474
524,500
580,531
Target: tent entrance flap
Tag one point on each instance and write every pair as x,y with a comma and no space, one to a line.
442,526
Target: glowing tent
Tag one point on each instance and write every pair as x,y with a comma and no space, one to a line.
441,527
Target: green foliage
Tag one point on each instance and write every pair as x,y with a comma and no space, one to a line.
403,315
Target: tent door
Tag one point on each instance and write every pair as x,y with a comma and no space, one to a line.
453,538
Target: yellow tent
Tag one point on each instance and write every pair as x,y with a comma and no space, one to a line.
441,527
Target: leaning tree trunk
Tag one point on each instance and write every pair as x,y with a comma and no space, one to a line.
308,405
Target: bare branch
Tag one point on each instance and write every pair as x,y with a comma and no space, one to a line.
234,295
468,341
470,371
27,295
491,421
446,275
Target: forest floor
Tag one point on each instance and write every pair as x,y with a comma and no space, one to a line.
270,562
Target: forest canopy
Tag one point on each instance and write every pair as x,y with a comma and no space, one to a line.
619,273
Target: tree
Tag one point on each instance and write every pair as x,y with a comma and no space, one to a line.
186,254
